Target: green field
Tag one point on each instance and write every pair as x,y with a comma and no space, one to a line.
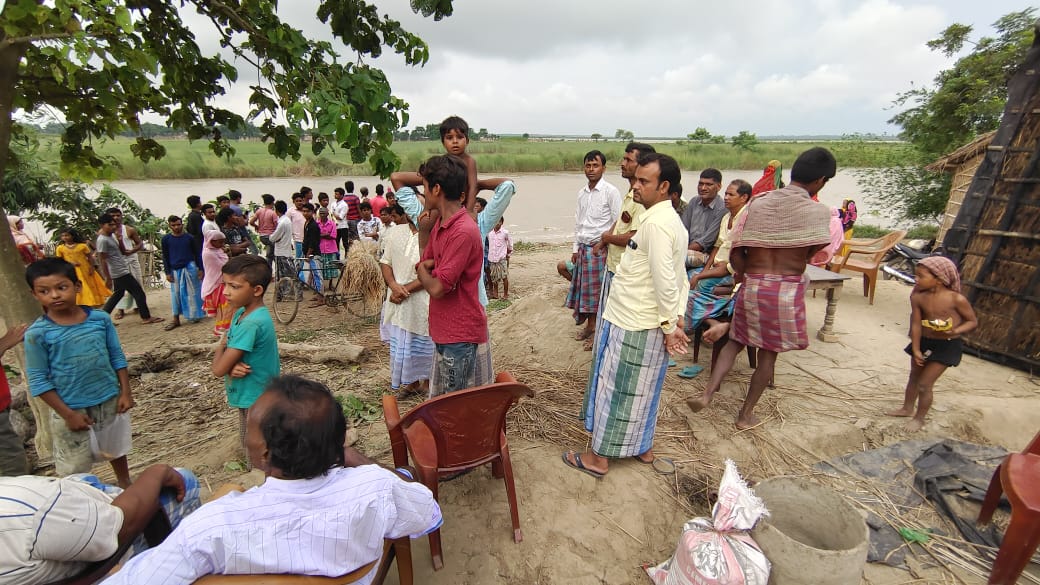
193,160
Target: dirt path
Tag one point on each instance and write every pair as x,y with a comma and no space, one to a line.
828,402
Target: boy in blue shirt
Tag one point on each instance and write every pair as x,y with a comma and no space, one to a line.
76,365
247,356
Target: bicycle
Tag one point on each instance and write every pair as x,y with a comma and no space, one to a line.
298,275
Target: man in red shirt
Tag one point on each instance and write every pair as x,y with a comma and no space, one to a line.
12,450
450,272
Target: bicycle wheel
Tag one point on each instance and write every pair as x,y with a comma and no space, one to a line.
288,292
359,306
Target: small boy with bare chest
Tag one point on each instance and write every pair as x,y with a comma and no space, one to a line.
939,315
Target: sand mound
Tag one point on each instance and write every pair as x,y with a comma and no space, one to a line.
538,331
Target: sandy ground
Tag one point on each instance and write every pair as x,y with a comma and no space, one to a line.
828,401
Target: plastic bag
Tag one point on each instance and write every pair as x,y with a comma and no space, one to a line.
112,441
719,551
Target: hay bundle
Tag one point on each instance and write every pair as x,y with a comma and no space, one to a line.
362,275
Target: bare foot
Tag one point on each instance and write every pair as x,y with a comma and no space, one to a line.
152,320
587,346
913,425
583,334
901,412
698,404
715,332
748,422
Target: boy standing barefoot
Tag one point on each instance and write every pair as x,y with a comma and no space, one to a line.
247,357
76,365
939,315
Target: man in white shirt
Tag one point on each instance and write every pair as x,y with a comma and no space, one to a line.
209,223
295,215
323,510
282,241
339,213
642,324
599,205
52,528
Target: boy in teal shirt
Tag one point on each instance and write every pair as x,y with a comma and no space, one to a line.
247,356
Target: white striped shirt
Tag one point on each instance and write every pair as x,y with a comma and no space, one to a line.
50,528
328,525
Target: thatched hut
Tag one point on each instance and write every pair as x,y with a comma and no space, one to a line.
995,238
962,164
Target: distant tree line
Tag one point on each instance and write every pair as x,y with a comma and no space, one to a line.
433,132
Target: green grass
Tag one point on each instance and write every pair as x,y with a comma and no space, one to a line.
923,232
498,304
865,230
298,336
193,160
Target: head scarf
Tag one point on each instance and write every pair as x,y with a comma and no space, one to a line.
945,270
213,259
770,179
20,237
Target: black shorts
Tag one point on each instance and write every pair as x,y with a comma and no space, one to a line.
945,351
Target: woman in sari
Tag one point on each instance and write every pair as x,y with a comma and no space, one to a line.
213,300
27,246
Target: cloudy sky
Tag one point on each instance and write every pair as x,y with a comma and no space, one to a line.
665,67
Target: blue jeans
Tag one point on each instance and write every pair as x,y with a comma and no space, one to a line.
455,362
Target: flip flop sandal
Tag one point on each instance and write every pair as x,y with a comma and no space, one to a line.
690,371
171,326
672,363
580,466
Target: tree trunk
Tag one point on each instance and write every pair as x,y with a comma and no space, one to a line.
18,306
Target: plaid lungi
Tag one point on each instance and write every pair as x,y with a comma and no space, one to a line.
704,304
586,283
769,312
624,390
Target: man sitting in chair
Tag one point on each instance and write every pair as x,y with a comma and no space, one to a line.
53,528
323,510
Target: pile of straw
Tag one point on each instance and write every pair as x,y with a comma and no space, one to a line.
362,276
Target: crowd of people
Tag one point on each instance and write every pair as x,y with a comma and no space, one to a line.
647,271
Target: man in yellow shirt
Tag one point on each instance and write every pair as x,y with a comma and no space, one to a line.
614,241
641,326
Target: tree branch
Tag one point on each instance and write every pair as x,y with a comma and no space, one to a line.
33,38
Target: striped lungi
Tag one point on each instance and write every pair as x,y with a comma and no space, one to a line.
586,283
704,304
186,293
608,278
411,356
769,312
624,390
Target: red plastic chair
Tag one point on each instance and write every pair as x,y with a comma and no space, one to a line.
1019,477
456,432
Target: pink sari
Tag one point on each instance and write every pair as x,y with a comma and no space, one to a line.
213,300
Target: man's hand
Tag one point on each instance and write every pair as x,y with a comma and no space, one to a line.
574,258
169,278
240,370
78,421
427,265
13,337
125,402
172,479
676,342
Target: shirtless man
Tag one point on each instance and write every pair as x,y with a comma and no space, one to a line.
781,232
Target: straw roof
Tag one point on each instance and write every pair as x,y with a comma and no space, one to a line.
962,154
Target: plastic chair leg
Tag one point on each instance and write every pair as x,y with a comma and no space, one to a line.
697,345
429,478
514,509
872,280
989,504
1020,542
403,548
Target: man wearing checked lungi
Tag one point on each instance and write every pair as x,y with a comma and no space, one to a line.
779,233
641,326
598,207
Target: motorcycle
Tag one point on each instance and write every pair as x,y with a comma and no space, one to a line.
902,259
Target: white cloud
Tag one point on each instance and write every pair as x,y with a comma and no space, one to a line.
768,66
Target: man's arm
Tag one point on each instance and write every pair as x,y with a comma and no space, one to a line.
13,337
471,183
140,501
165,246
135,237
405,179
496,207
431,283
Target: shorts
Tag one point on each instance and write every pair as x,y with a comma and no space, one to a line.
72,452
945,351
453,365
